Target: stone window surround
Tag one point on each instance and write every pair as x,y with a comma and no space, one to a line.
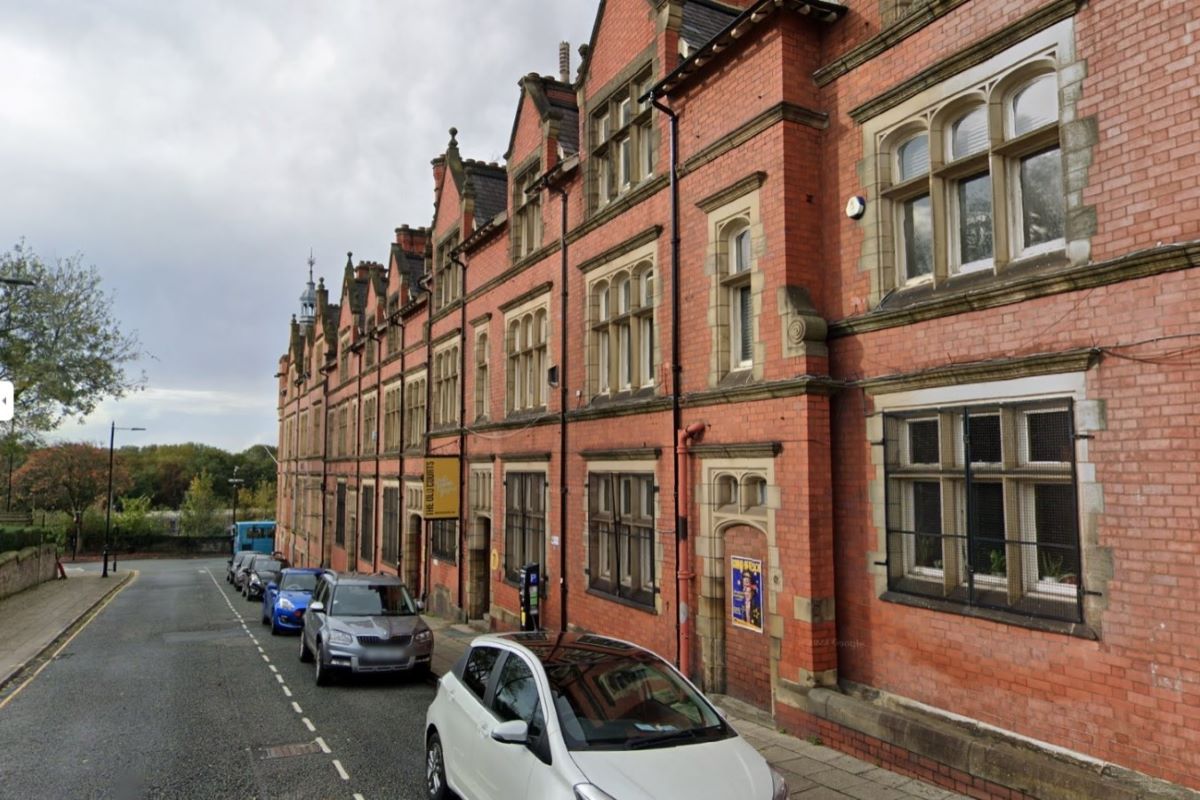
449,375
648,466
369,425
712,601
640,71
723,221
1089,417
383,533
414,399
527,209
529,308
543,468
1049,49
635,263
481,358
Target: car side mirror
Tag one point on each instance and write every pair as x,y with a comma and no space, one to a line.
316,608
515,731
272,586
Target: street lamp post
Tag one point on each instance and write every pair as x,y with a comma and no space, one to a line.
112,435
234,482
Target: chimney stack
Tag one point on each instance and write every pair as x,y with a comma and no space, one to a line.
564,62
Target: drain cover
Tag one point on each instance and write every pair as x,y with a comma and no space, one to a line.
288,750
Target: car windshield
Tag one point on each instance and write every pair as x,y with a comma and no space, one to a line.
298,581
267,565
374,600
628,701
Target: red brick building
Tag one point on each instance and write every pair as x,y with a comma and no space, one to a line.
845,354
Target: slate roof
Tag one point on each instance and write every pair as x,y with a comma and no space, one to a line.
703,21
491,190
411,266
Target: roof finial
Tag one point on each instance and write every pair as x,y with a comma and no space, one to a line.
312,262
453,137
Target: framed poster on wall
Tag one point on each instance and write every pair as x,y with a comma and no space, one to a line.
746,592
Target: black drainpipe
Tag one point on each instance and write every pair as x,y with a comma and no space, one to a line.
681,522
427,543
563,396
462,427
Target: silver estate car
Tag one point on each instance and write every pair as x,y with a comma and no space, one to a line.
363,624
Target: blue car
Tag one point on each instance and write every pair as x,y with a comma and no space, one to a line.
284,603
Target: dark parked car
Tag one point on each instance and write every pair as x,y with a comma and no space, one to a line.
263,570
364,623
236,562
242,575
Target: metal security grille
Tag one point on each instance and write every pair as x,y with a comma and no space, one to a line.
524,521
391,524
621,535
982,508
339,516
445,539
366,540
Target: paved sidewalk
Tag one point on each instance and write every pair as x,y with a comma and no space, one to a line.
31,620
813,772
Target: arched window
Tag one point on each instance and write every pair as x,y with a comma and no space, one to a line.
1038,217
970,196
914,210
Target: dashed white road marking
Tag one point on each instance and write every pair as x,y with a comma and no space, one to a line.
308,724
324,747
287,691
278,677
296,706
272,668
260,650
266,658
341,770
358,796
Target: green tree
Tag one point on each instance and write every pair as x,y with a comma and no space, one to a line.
61,347
68,476
262,499
199,515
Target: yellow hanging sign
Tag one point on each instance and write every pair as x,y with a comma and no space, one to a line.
441,487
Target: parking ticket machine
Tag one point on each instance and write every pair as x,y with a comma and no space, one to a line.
531,596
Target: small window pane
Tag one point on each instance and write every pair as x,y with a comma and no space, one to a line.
975,219
1042,217
918,237
1035,105
516,694
478,669
923,441
745,335
914,157
1049,436
927,524
741,251
988,556
985,439
969,135
1055,520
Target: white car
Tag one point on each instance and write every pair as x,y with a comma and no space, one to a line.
569,716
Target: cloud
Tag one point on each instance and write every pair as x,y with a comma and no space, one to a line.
196,150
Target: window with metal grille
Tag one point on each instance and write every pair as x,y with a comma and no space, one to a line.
982,508
339,516
391,524
621,535
366,539
524,521
444,543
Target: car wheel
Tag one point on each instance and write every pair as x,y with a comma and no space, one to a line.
321,673
435,769
305,653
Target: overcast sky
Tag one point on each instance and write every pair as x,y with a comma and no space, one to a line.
195,151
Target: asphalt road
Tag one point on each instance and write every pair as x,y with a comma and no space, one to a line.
167,694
